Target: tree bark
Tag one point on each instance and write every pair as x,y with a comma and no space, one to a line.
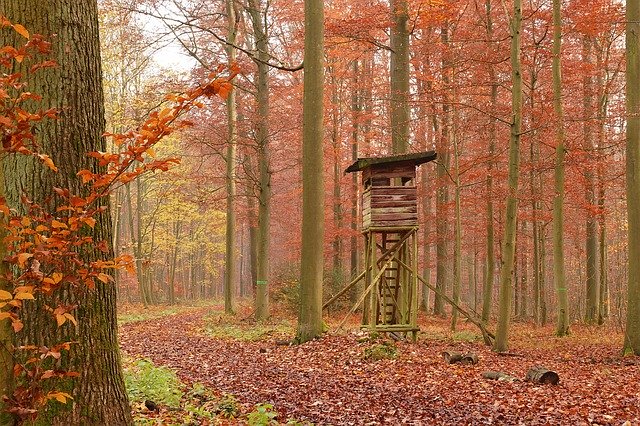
632,330
593,304
491,257
399,65
508,250
310,314
356,111
442,193
264,160
230,267
75,88
7,381
457,245
338,214
603,101
562,324
177,227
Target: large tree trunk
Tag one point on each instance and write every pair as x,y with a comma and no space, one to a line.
632,331
264,160
311,265
230,269
7,382
75,88
399,76
509,244
562,324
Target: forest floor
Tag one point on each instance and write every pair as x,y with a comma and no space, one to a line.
332,381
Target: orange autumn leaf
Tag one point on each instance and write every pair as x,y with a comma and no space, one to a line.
21,30
22,258
58,225
48,162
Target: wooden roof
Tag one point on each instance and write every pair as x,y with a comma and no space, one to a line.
415,158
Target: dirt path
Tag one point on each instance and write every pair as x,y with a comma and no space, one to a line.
328,382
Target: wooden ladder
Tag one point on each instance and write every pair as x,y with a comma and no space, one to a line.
389,286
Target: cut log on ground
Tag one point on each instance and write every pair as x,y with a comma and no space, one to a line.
498,375
469,358
451,357
542,375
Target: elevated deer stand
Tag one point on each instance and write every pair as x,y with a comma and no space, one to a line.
389,226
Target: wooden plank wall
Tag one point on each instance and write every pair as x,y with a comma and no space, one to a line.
389,206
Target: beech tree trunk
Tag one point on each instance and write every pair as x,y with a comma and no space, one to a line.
177,228
508,250
263,242
230,269
603,101
399,76
338,214
356,111
593,304
487,298
562,324
7,382
442,193
632,330
75,88
310,314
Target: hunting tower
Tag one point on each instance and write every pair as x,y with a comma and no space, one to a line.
389,226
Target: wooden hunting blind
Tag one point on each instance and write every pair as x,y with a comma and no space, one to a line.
389,226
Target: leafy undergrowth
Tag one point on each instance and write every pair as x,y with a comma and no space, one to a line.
330,380
218,325
159,397
133,312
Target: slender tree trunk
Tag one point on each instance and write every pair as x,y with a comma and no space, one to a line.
491,257
230,270
509,244
136,247
593,293
524,277
426,270
356,111
457,251
74,87
562,324
602,261
543,274
310,314
338,273
632,330
442,197
262,136
177,227
252,224
534,155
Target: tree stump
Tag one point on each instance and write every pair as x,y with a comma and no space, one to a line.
498,375
469,358
451,357
542,375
